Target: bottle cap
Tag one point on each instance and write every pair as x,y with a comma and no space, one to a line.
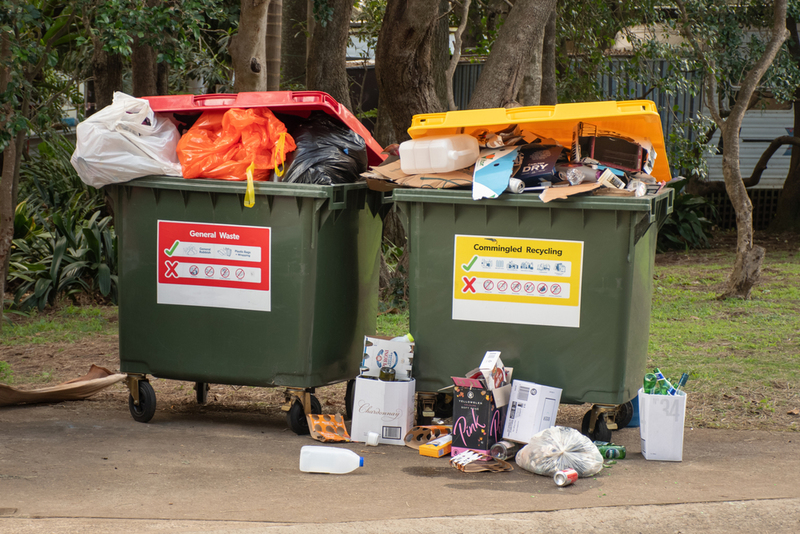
372,439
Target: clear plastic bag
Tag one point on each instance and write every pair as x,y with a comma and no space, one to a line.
123,141
557,448
327,153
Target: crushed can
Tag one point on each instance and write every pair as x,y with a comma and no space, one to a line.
565,477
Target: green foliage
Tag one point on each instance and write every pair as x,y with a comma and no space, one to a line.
395,295
63,245
323,12
64,324
686,227
6,376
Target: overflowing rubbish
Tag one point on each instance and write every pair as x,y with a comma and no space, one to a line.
385,408
438,447
565,477
331,460
610,451
420,435
662,412
503,450
123,141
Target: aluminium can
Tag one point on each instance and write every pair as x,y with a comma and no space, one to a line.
565,477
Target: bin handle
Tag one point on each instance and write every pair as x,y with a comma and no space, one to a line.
213,100
338,199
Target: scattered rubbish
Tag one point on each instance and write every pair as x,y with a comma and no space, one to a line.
662,413
438,447
476,462
373,439
796,411
565,477
386,408
503,450
609,463
420,435
557,448
479,405
610,450
493,171
533,407
331,460
76,389
389,176
327,428
382,352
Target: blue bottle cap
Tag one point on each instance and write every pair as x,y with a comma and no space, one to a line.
360,462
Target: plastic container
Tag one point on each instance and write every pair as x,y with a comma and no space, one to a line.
330,460
438,154
568,304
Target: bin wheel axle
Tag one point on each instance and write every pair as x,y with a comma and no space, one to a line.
300,403
142,399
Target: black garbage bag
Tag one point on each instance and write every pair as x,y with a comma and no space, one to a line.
327,153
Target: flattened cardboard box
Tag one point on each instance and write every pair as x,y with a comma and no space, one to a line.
386,408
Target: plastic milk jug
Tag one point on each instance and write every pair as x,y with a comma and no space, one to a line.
328,460
442,153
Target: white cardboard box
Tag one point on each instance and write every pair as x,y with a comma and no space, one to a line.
386,408
531,408
661,419
382,352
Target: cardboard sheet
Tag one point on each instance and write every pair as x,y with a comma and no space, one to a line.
390,175
76,389
554,193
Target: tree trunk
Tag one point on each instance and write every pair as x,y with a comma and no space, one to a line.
549,95
530,91
107,72
273,44
326,68
8,170
749,257
502,74
384,131
404,62
248,47
144,72
162,78
293,42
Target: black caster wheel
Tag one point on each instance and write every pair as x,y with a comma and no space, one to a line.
147,403
201,390
349,395
601,431
296,416
624,415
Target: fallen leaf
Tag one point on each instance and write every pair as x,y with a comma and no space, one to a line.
696,318
796,411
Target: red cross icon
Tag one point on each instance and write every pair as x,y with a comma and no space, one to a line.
172,268
468,284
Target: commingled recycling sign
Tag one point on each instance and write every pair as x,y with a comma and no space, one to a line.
214,265
517,280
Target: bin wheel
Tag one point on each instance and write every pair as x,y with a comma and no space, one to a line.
349,395
201,390
444,406
147,403
296,416
601,431
624,414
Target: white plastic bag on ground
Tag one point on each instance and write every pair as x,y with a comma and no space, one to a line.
557,448
123,141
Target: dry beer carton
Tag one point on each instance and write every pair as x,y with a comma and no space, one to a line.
661,420
382,352
386,408
531,408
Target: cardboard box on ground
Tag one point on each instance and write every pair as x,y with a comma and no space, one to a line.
386,408
482,415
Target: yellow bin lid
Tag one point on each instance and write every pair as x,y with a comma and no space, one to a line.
634,118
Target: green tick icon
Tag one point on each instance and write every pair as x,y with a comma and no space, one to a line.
469,265
171,251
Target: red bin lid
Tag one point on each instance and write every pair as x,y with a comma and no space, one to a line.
300,103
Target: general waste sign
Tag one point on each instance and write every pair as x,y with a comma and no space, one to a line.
214,265
517,280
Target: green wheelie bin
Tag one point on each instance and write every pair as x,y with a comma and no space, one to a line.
561,288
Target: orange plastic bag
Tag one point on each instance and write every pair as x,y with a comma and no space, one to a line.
223,144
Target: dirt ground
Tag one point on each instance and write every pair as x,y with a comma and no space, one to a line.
47,364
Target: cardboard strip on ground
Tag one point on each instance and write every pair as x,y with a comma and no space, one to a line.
76,389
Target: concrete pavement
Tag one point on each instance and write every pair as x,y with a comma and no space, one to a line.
68,468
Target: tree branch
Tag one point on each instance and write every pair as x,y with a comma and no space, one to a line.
454,59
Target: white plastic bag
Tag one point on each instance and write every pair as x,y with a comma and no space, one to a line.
123,141
557,448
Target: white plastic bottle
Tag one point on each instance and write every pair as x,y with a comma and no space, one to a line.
329,460
408,338
442,153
